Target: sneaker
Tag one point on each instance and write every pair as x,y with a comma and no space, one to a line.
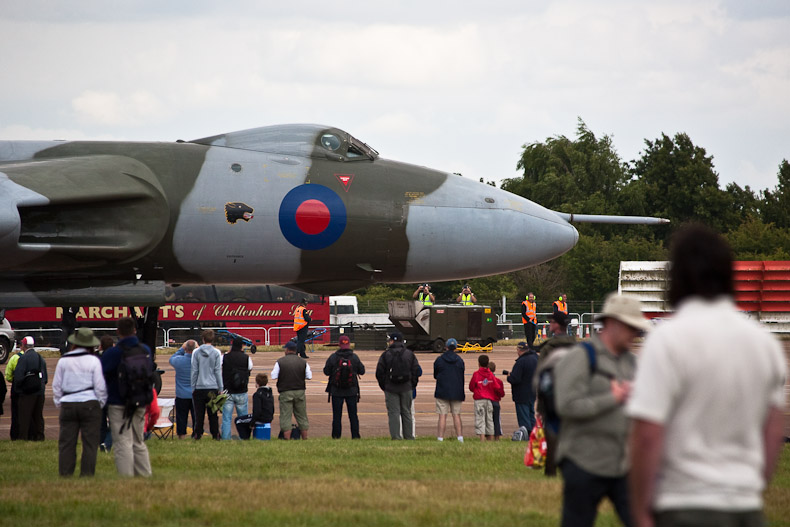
103,447
460,439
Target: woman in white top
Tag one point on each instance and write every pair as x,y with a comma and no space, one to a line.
80,392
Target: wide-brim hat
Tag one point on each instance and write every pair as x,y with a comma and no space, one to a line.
83,337
625,309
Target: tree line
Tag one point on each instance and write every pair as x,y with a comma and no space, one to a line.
673,178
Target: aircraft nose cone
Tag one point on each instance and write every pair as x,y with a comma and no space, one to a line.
464,231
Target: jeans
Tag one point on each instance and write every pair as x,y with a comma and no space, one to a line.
337,415
495,417
239,400
525,414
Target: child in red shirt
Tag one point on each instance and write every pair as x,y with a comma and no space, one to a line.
484,391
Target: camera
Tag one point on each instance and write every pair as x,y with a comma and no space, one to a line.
505,372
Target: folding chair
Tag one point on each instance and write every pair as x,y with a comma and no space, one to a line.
164,425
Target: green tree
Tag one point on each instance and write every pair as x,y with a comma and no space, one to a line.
775,206
582,175
593,266
743,204
679,183
757,240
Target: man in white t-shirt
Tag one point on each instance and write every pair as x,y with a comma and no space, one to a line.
708,399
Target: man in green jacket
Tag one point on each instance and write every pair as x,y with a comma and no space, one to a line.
591,388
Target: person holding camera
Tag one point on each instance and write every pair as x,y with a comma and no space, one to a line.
423,294
520,379
466,297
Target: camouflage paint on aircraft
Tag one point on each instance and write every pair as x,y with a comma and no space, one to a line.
110,223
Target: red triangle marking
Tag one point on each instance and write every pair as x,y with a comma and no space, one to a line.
345,180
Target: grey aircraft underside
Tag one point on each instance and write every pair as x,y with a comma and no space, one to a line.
309,206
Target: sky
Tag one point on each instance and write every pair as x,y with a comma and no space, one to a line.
457,85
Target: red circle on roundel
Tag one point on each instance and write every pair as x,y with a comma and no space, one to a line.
312,217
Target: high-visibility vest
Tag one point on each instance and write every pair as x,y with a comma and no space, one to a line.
299,321
561,306
531,312
466,300
425,298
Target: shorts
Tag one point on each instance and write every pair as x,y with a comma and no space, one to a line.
484,417
445,406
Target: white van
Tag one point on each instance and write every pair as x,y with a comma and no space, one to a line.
342,305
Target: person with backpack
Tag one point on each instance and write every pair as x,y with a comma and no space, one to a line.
30,379
448,370
592,386
236,368
397,373
206,381
24,345
343,368
520,379
550,352
129,374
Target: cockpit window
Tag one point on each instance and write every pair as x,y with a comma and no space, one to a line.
354,152
330,142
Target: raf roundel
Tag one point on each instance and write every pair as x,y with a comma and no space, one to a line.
312,217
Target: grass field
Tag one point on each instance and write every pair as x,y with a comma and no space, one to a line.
316,482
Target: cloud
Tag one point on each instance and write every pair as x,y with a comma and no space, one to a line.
113,109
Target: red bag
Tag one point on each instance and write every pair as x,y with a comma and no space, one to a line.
535,456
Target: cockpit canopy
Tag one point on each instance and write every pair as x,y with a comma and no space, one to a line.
308,140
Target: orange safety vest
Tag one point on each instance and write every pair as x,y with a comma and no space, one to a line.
561,306
299,321
531,312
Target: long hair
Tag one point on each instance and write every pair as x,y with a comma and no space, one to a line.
701,264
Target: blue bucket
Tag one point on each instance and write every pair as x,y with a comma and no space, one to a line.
263,431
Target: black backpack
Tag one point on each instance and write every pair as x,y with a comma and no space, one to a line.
31,382
546,388
135,379
344,373
238,380
400,369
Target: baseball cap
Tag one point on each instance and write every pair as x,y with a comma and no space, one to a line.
344,342
522,345
451,344
28,341
560,318
290,345
625,309
396,336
